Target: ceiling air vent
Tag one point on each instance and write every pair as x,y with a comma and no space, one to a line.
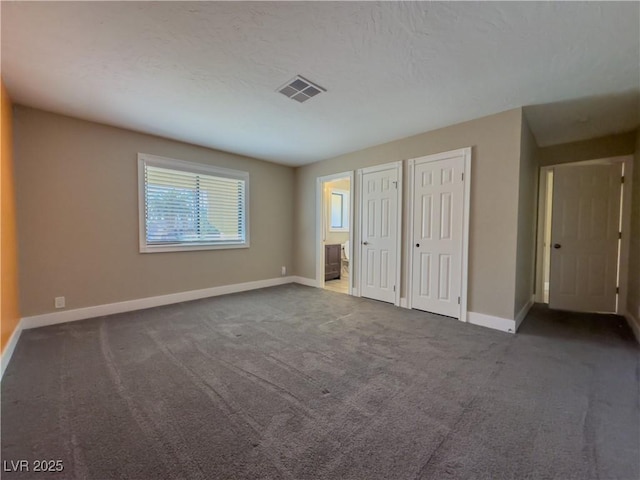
300,89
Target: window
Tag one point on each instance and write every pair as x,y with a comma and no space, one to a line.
339,211
190,206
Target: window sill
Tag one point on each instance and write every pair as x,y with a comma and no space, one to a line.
190,248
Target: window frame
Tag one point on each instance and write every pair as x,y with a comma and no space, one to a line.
145,159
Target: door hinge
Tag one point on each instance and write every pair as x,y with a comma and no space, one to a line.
619,235
617,289
394,288
458,300
621,179
463,176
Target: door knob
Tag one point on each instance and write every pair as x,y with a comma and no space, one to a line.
365,243
557,245
417,244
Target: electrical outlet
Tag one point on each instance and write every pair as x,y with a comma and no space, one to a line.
284,271
59,301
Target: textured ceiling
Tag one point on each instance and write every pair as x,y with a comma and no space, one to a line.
207,72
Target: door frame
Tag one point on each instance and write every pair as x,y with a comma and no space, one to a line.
541,270
623,257
466,205
321,219
359,173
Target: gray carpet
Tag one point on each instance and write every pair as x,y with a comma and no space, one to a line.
298,383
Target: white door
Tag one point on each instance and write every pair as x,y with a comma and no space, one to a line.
380,216
438,206
584,238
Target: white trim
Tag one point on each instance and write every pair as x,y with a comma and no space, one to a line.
356,250
634,323
436,157
409,245
9,348
489,321
464,264
320,233
399,235
380,168
466,213
540,284
309,282
149,302
625,228
352,222
522,314
320,226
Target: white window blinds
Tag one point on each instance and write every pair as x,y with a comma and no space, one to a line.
191,205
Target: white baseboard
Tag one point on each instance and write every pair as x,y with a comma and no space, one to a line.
7,353
634,323
523,312
497,323
404,302
149,302
309,282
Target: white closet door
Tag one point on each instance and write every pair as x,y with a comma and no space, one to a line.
380,243
437,235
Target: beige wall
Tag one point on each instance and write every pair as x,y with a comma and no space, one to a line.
494,202
77,208
633,290
527,198
78,223
603,147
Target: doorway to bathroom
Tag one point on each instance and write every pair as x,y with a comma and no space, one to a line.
335,227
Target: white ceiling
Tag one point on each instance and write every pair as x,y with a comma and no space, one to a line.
206,72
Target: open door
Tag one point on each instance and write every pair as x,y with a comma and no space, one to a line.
334,210
585,238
